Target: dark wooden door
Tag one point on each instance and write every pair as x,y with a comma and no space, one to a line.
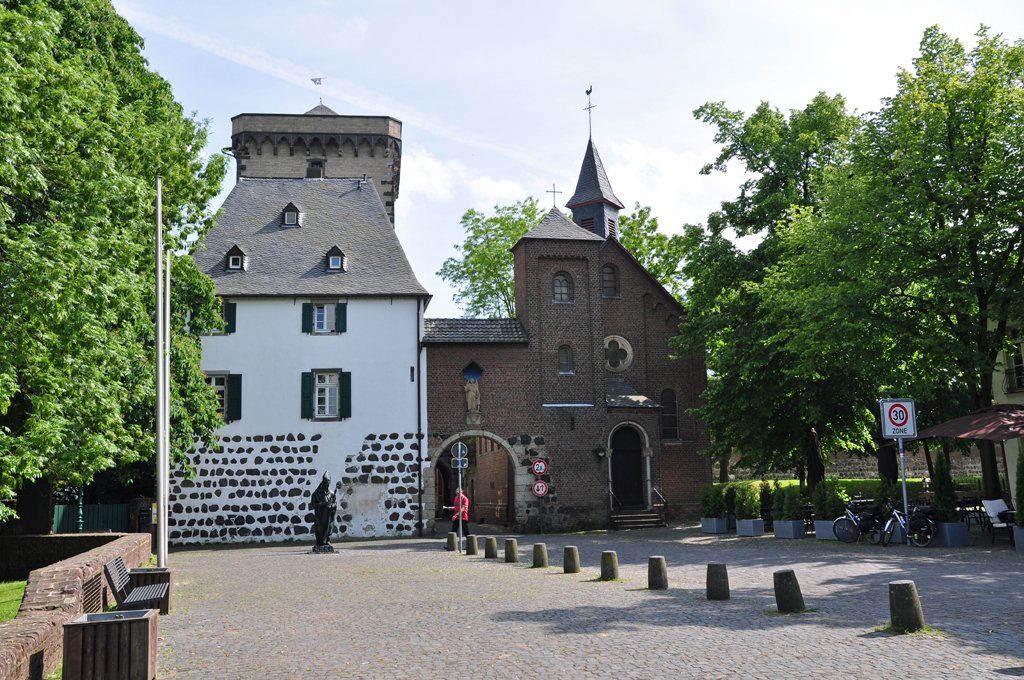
628,468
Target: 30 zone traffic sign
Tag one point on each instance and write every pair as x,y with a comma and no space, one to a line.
898,418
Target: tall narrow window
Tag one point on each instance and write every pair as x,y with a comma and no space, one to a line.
323,318
669,418
326,395
565,360
563,287
219,383
228,388
609,282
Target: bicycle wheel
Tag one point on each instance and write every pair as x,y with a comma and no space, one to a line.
922,533
846,530
875,537
890,526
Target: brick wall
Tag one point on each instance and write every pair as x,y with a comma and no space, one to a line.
31,643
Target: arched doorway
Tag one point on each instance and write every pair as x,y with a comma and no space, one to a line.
627,469
489,479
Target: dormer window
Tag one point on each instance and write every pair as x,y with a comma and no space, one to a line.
235,259
336,260
290,216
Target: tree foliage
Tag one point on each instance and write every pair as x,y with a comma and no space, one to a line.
482,273
84,129
661,254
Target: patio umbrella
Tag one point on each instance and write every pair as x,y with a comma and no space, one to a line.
815,461
994,423
888,466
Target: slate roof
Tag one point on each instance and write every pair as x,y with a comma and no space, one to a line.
593,185
472,331
555,225
320,110
619,393
292,260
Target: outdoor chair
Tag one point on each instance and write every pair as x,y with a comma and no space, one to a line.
995,510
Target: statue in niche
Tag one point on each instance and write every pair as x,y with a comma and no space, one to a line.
472,401
324,501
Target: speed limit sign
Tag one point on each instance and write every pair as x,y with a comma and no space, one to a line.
539,488
898,419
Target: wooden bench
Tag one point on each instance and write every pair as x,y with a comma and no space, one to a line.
153,596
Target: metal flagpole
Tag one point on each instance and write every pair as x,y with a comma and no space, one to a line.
166,464
161,469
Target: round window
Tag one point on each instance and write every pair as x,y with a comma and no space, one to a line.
618,353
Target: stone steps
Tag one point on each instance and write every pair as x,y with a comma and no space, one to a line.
636,520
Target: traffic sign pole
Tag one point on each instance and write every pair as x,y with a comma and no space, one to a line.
899,421
906,505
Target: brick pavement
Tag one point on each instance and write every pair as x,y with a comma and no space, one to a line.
404,608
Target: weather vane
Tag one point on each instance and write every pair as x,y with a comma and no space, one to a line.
588,108
319,82
553,193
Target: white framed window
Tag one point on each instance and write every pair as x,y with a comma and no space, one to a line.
326,395
334,262
565,360
219,383
291,218
234,261
323,317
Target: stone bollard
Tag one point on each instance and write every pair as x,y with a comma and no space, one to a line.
905,611
657,573
453,542
609,565
571,560
540,555
718,582
511,550
472,547
788,597
490,548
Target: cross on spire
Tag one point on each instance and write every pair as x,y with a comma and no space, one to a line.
589,108
553,193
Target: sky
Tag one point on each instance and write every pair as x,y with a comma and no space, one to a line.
491,95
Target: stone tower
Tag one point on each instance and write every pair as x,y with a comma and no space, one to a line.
594,205
320,144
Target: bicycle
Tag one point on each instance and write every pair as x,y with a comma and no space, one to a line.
852,525
921,531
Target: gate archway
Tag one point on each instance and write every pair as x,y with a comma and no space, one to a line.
628,469
489,481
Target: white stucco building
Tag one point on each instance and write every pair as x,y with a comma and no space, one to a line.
319,368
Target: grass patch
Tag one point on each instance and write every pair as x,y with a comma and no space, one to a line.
776,612
609,580
887,628
11,593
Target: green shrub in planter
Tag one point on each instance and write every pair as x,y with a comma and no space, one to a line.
748,502
729,494
829,500
712,501
786,504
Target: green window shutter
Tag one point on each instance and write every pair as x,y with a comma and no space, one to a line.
306,409
229,317
233,409
345,395
341,317
307,317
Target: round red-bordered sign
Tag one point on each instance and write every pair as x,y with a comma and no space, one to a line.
540,467
898,415
540,488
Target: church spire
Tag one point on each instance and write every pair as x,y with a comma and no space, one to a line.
594,205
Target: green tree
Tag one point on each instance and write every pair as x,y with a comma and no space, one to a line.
754,371
482,273
917,250
661,254
84,128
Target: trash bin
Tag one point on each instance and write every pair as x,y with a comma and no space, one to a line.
111,645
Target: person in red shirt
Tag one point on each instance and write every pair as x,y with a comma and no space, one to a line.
460,507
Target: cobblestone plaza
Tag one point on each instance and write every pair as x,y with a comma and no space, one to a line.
405,608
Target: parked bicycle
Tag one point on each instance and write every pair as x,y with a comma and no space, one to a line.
921,530
860,519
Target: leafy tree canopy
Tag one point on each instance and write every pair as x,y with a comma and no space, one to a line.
661,254
85,126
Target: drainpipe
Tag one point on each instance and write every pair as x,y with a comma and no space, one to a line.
419,420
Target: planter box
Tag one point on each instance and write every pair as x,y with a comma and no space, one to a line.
950,534
749,527
714,525
151,575
823,530
1018,539
789,528
111,645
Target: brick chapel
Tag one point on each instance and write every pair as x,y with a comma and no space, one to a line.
583,379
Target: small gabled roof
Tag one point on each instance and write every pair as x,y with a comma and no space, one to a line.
283,260
320,110
593,185
473,331
620,394
555,225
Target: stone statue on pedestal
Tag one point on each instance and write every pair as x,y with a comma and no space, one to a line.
324,502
